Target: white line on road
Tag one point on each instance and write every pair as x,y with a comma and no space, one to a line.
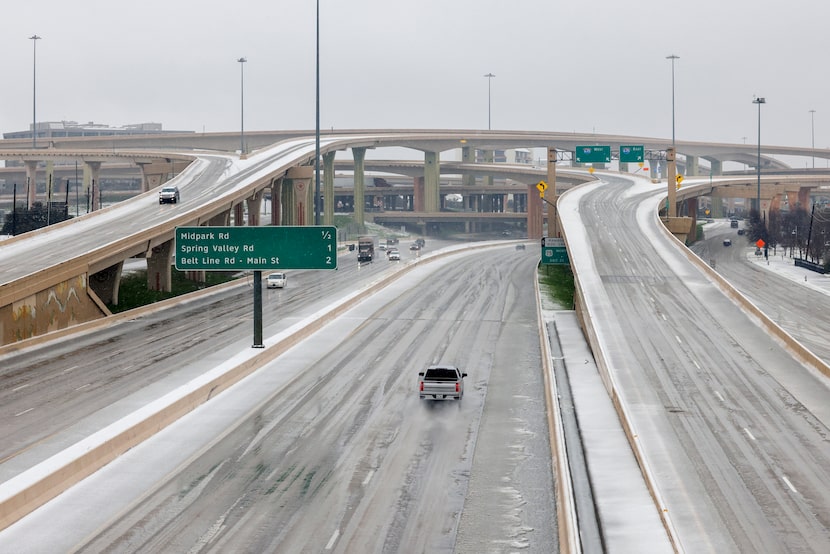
333,539
787,481
68,369
720,397
83,386
748,433
24,412
21,387
368,477
678,339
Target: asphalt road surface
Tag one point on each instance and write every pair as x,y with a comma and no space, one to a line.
329,449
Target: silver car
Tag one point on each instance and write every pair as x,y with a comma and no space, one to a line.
169,194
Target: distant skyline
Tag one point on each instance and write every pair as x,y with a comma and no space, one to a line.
558,66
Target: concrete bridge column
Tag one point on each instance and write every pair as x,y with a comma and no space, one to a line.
432,173
254,205
94,172
31,183
300,207
418,194
624,167
692,166
775,204
150,177
105,283
239,215
716,167
220,220
654,169
804,197
359,155
534,213
489,157
468,157
717,207
159,274
276,201
328,188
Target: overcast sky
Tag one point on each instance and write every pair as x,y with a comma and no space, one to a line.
559,65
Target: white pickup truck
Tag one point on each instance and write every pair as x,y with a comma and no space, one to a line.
441,381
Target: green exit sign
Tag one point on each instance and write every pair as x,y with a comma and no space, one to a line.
592,154
256,248
631,153
554,251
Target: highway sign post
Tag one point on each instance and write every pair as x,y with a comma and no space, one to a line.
554,251
255,248
592,154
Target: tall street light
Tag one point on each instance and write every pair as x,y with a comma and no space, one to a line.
489,80
317,128
813,134
672,58
34,39
242,106
759,101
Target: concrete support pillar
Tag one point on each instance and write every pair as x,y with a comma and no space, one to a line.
239,215
95,187
106,282
716,167
418,194
691,211
671,184
254,205
276,201
359,155
468,157
775,204
717,207
31,183
159,274
489,157
654,169
535,224
692,166
432,173
623,167
150,177
328,188
804,197
300,207
220,220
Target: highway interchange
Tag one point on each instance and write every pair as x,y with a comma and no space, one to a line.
337,453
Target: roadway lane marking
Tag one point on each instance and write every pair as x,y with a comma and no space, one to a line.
696,365
749,434
21,387
83,386
678,339
720,397
368,477
23,412
790,485
68,369
333,539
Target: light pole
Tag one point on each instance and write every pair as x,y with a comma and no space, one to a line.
317,128
242,106
813,134
34,39
672,58
489,80
759,101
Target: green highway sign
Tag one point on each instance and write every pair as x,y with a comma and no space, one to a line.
592,154
631,153
256,248
554,251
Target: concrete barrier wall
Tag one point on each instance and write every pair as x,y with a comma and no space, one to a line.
567,521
